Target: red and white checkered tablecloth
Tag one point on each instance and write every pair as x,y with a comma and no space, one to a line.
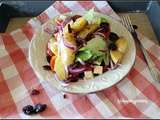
136,96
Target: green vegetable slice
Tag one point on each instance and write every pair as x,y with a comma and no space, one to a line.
92,17
95,45
83,55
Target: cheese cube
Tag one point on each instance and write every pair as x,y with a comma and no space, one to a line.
88,75
98,70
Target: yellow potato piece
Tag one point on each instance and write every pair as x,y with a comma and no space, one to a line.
79,24
54,48
68,56
122,44
67,35
60,69
116,56
87,30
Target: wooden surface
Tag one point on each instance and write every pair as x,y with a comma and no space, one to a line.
139,19
144,25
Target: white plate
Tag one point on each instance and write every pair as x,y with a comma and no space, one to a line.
37,58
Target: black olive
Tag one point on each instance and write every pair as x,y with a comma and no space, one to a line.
40,107
135,26
64,96
75,17
112,46
28,110
48,58
113,37
104,27
46,67
35,92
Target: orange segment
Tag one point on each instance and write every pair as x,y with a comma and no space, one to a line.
52,62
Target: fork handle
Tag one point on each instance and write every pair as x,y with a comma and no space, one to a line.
148,60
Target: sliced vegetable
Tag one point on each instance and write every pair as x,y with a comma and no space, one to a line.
79,24
52,62
69,45
116,56
59,68
67,34
79,68
103,58
95,45
121,44
87,30
92,17
83,55
100,34
106,58
67,54
52,45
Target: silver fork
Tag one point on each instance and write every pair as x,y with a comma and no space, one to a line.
127,23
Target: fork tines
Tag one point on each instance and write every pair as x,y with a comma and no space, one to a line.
127,23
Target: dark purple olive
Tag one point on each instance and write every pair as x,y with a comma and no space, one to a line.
75,17
112,46
28,110
35,92
113,37
64,96
104,27
135,27
46,67
48,58
40,107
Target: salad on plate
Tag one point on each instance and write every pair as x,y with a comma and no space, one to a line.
82,47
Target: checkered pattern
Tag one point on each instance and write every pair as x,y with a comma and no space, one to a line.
136,96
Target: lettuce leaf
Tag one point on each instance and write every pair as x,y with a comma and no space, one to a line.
92,17
83,55
103,58
92,51
95,45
